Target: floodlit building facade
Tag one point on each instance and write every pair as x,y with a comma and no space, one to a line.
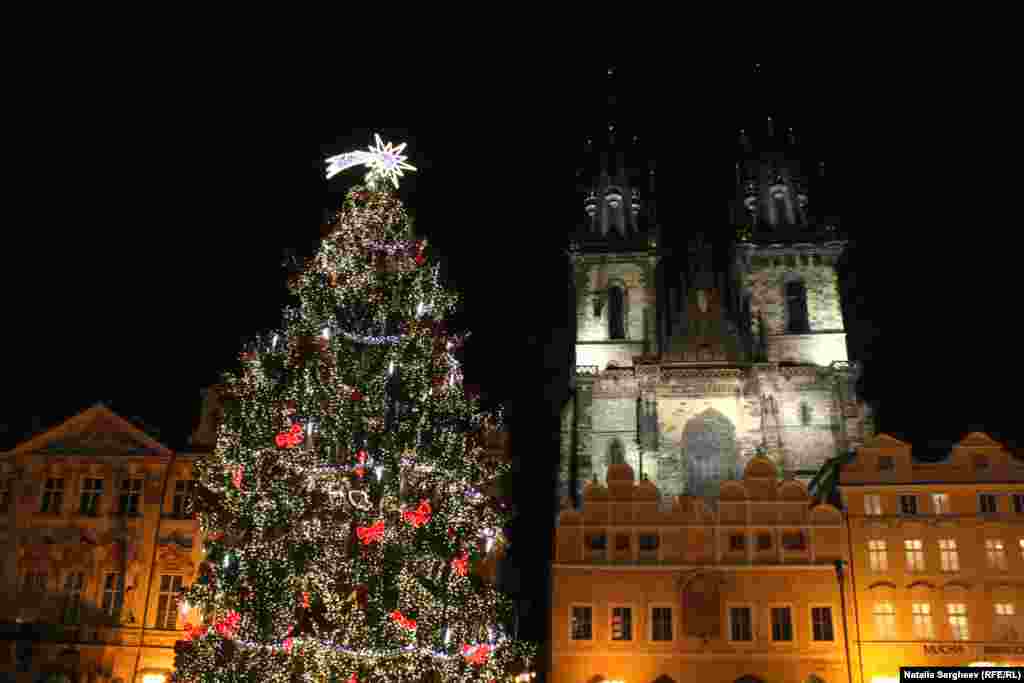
937,551
97,545
745,591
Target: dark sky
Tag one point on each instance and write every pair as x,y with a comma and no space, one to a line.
150,233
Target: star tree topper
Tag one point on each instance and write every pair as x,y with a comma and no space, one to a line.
385,161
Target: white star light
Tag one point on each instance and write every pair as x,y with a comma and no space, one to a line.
385,161
388,160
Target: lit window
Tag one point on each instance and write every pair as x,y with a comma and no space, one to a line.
622,623
73,586
113,594
915,554
949,555
995,553
908,505
582,623
957,613
167,607
878,555
940,503
661,623
885,620
131,490
92,490
53,496
872,504
821,622
1005,622
740,624
1020,542
182,494
782,624
924,629
987,504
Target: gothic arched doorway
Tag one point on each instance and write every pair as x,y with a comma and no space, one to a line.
709,449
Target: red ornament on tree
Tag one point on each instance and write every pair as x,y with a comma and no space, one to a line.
403,621
293,437
476,654
305,600
420,516
357,395
371,534
461,563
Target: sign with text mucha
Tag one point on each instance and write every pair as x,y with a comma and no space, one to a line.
702,606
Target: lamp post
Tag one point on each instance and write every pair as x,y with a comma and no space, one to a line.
842,606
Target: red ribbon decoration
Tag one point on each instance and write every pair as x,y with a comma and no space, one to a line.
226,626
476,654
237,478
193,632
369,534
460,563
420,517
403,621
293,437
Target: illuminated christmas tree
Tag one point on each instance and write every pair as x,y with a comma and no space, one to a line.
347,501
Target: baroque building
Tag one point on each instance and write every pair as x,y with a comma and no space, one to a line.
98,543
937,551
699,345
923,565
744,591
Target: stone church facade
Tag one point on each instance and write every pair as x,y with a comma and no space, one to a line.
691,360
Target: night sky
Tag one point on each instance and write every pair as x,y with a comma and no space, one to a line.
152,230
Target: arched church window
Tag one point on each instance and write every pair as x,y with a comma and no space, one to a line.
796,308
616,453
616,313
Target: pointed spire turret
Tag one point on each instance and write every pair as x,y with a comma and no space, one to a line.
616,179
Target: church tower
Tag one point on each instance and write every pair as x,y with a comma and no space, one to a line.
613,255
695,356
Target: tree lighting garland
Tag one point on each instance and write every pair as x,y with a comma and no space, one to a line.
342,504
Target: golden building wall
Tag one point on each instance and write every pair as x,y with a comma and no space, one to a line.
142,547
971,555
785,561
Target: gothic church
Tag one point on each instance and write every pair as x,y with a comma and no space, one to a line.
689,362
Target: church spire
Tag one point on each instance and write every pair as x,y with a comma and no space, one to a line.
615,176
